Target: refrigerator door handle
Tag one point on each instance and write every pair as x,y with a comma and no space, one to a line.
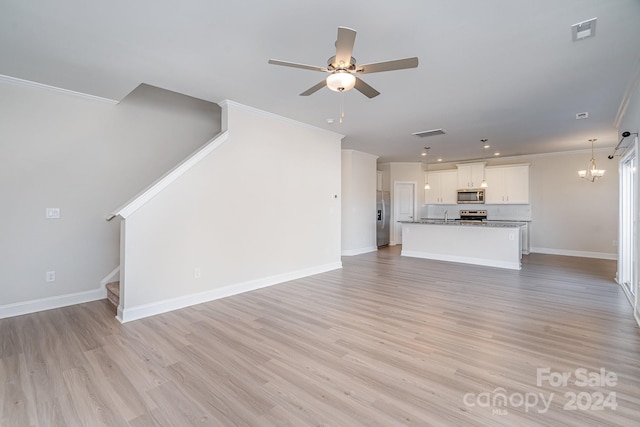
384,213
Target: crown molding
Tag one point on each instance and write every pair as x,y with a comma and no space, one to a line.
521,159
28,83
632,86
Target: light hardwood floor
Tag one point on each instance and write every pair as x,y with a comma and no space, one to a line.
386,341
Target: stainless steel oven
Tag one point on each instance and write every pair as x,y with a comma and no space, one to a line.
473,216
471,196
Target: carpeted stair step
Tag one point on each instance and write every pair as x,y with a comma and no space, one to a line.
113,293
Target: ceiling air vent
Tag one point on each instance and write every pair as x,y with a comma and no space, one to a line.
432,132
584,115
583,30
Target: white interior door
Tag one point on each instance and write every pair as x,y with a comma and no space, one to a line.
404,206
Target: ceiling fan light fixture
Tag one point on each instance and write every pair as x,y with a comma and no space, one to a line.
341,81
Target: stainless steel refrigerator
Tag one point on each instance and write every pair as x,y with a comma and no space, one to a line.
382,218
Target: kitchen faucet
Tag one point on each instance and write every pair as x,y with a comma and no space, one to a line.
446,215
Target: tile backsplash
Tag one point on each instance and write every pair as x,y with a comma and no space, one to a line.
494,212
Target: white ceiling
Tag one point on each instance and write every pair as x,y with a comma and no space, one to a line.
503,70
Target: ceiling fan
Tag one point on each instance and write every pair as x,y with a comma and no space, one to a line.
342,67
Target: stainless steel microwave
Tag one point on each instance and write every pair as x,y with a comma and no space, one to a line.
471,196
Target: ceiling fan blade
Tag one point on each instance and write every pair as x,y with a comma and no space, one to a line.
344,45
296,65
398,64
314,89
365,89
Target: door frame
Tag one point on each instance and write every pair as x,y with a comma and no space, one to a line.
629,262
395,205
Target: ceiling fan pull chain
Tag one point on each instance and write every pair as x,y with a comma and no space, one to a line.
341,107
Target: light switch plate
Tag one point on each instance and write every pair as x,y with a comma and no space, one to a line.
50,276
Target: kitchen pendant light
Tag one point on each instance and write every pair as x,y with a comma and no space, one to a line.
425,154
485,145
592,172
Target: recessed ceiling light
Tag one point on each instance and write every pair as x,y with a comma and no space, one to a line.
583,30
497,153
330,121
424,154
584,115
439,160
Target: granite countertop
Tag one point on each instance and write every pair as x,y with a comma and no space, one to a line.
503,224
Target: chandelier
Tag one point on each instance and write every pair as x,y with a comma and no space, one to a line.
592,172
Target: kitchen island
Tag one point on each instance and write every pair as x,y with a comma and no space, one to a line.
480,243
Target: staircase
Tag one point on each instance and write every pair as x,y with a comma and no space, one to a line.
113,293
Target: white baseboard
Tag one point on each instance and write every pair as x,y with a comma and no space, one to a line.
27,307
583,254
146,310
352,252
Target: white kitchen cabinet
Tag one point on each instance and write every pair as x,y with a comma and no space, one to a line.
507,184
470,175
443,187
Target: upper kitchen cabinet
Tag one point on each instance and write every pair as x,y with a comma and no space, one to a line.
443,188
470,175
507,184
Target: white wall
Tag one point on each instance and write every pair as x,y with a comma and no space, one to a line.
570,215
86,158
262,208
385,168
358,202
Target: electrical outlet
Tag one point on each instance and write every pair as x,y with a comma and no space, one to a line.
614,243
53,213
50,276
512,236
197,273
